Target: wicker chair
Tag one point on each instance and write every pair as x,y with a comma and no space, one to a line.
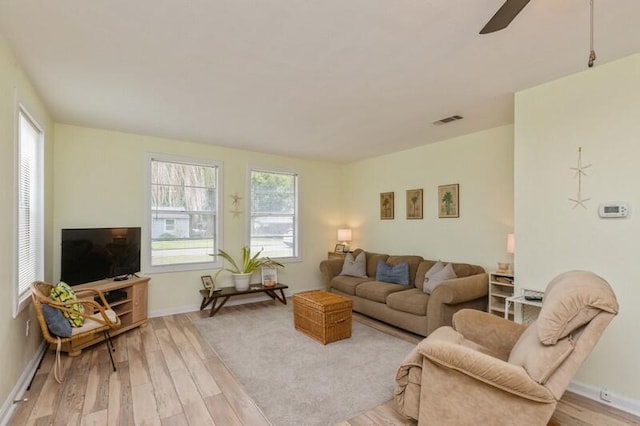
98,317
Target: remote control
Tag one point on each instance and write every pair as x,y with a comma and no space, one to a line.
533,297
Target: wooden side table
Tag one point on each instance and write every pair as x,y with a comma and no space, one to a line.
335,255
528,315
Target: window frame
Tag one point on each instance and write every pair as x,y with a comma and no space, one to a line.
216,262
21,296
297,257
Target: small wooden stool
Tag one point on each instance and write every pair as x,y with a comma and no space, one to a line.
323,316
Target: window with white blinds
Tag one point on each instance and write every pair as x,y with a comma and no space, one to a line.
273,222
183,213
30,203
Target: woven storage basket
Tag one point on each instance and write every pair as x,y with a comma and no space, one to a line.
323,316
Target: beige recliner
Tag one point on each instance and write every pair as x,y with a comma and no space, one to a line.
488,370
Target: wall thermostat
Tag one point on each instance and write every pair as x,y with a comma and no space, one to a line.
613,209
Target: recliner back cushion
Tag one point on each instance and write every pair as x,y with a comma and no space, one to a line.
571,300
540,361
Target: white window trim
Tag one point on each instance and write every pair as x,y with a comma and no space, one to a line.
297,226
22,300
216,262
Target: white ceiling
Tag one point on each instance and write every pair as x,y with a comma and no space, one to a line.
337,80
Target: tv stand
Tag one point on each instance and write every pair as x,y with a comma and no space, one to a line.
131,307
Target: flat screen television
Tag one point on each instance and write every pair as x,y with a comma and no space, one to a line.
92,254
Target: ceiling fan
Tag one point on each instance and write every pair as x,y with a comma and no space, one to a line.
504,16
510,10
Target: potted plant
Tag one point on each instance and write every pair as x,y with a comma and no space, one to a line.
242,271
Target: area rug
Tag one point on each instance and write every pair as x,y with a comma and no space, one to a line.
296,380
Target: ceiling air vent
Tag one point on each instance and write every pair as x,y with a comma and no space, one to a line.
448,120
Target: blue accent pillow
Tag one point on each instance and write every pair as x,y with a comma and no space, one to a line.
398,274
56,322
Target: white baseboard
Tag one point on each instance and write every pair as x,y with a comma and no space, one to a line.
617,401
21,386
260,297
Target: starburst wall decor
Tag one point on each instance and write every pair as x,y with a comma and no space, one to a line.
579,200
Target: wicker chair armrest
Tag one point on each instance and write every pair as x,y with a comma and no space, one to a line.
89,305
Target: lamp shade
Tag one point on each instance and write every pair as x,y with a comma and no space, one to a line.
344,234
511,243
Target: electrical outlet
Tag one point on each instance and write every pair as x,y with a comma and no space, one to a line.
605,395
27,328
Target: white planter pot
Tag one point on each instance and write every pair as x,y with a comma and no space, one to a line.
241,281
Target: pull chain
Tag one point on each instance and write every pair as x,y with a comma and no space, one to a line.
592,54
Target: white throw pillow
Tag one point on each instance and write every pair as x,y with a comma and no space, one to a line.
437,267
446,273
355,267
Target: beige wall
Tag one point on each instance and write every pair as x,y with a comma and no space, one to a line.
598,110
99,179
481,163
16,350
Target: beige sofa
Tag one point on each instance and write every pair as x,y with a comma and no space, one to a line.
408,307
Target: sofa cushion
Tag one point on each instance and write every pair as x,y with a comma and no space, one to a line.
396,274
347,284
377,290
413,301
413,262
540,361
465,269
372,262
437,278
571,300
355,267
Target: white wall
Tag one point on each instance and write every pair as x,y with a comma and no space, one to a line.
16,350
99,181
598,110
481,163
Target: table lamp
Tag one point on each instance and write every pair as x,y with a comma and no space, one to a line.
511,248
344,235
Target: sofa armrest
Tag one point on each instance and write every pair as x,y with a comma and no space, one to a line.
329,269
494,333
454,292
442,349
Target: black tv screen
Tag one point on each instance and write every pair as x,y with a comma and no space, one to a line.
93,254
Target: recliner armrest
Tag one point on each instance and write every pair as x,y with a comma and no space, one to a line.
442,348
494,333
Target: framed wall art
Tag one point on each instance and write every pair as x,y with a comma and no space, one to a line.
414,204
386,205
207,282
449,201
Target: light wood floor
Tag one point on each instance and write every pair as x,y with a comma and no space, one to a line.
168,375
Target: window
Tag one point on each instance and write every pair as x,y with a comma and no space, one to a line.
273,225
183,211
30,205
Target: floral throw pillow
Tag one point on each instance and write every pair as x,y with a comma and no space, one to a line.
64,293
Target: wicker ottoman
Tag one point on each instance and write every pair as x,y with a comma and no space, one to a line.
323,316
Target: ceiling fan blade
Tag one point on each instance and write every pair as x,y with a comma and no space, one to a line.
504,16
